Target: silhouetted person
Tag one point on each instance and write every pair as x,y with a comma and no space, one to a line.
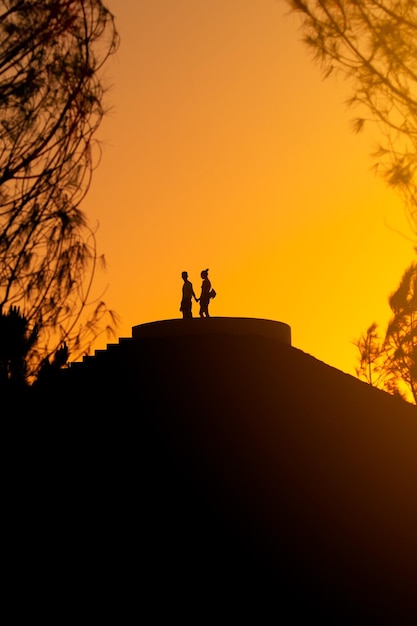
205,294
187,296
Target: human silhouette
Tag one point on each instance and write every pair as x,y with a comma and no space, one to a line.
205,294
187,296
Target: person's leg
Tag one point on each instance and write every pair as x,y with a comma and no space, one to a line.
204,308
188,309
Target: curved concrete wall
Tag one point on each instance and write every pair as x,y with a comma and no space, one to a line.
214,325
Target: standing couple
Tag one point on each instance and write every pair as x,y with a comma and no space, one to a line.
207,293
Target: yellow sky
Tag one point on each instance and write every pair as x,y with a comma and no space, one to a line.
225,149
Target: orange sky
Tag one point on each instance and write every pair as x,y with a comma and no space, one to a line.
225,149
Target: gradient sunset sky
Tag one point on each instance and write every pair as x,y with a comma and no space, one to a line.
225,148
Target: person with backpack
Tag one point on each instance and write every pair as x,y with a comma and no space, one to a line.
187,296
207,293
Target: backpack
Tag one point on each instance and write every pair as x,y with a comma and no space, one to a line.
212,294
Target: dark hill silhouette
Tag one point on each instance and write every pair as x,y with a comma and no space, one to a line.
229,466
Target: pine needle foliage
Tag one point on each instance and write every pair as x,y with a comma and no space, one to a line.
390,362
51,105
373,45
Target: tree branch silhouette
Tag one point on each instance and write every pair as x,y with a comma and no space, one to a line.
373,44
51,105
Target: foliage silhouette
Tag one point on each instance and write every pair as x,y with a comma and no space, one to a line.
16,341
51,104
391,363
373,43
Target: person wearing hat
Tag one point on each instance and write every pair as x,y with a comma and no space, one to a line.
205,294
187,296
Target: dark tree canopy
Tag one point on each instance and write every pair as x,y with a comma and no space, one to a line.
373,43
51,105
16,341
